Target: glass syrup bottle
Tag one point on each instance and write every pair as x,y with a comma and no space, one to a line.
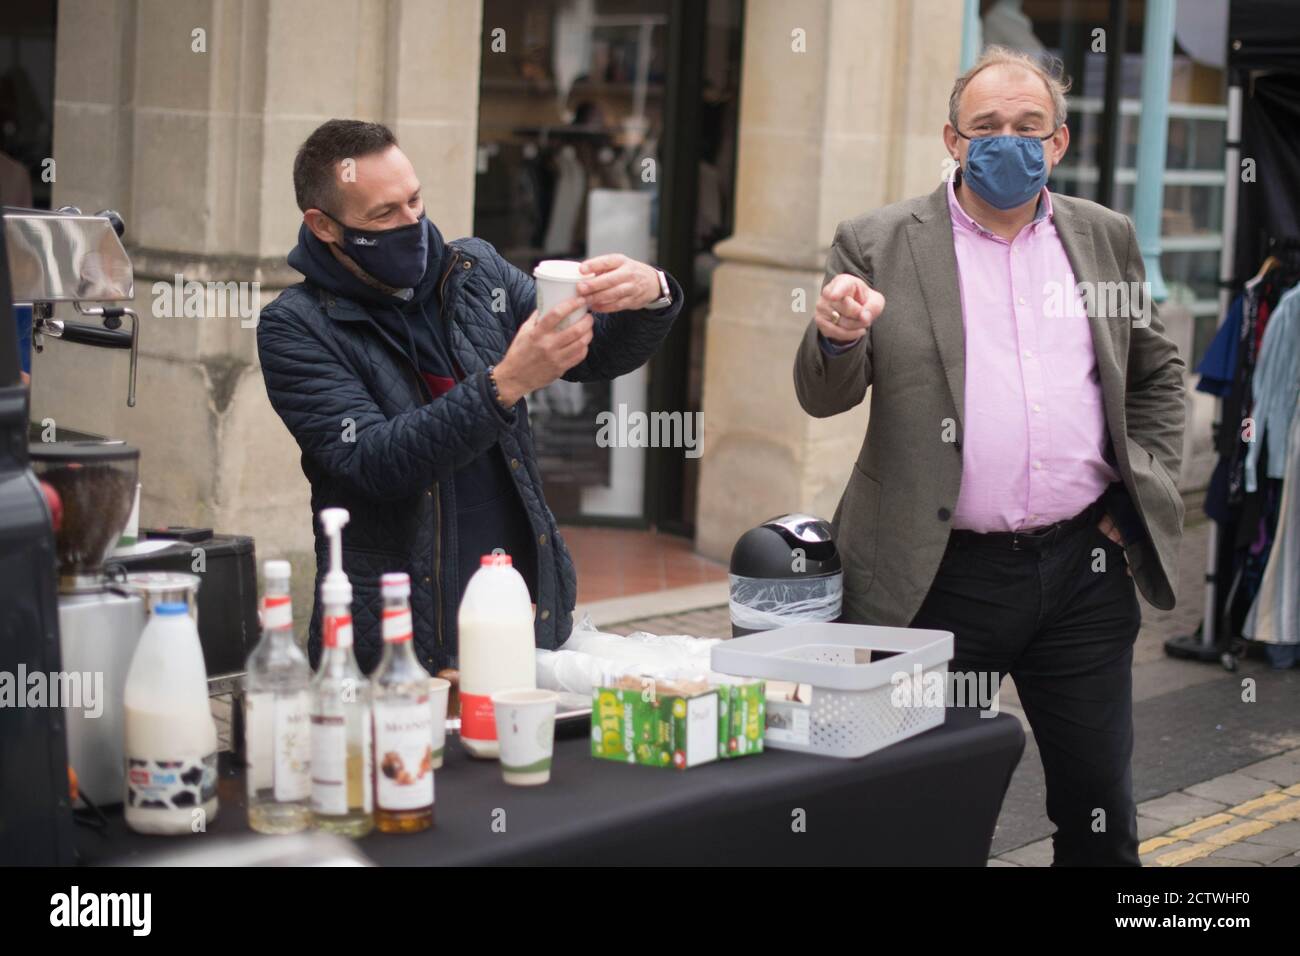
403,716
277,725
341,724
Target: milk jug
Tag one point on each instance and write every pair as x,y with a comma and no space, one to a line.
495,627
171,738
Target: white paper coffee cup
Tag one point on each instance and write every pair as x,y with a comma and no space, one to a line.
526,733
557,280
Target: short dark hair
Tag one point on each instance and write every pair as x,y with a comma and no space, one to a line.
332,142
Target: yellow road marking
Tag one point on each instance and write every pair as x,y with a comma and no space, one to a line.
1239,832
1179,857
1250,806
1202,824
1288,811
1154,843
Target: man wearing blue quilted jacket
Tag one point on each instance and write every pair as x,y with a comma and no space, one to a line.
402,365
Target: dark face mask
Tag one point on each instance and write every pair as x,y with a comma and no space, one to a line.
1005,171
397,257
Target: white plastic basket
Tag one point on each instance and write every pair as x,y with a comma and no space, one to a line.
857,706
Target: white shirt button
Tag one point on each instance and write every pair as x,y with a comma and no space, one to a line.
1038,465
1037,407
1029,353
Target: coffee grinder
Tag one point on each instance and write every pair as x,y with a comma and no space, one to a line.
90,488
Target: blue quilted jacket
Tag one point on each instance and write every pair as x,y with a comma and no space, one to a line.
376,442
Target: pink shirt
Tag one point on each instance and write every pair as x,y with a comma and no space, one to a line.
1035,443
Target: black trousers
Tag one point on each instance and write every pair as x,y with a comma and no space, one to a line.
1061,619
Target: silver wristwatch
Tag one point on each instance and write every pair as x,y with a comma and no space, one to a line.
665,293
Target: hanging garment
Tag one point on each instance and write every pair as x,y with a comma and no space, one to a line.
1274,618
1275,387
1218,368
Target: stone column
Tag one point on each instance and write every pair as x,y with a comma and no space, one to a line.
842,105
185,115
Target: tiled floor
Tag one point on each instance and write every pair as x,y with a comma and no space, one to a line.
617,562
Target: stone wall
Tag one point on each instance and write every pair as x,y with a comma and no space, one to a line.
849,123
195,148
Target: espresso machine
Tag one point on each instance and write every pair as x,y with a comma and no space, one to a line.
87,489
35,804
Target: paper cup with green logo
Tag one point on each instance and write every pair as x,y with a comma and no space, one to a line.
438,691
526,732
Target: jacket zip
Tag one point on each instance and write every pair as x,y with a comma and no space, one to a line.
442,284
437,491
437,561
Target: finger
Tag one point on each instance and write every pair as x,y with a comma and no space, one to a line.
838,333
852,309
604,282
619,295
571,356
838,287
844,314
874,305
598,264
845,286
555,316
563,338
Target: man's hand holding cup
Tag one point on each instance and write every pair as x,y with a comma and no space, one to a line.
846,308
544,349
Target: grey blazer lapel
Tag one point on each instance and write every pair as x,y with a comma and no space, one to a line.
930,240
1109,334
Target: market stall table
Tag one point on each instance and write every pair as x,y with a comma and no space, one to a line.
930,800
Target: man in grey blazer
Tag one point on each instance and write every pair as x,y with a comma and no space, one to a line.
1018,476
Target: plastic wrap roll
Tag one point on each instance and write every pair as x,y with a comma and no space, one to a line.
761,604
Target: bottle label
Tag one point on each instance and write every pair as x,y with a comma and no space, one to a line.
277,744
292,747
183,783
397,624
366,774
477,721
404,754
259,746
277,611
329,765
337,631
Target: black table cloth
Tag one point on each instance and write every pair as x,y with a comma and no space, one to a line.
930,800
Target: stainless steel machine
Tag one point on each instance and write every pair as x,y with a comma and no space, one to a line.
35,806
72,607
88,487
68,257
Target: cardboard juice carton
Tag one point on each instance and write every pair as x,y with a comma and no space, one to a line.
680,724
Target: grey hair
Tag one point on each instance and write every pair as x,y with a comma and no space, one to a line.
1047,68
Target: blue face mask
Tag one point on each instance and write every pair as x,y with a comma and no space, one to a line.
397,257
1005,171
